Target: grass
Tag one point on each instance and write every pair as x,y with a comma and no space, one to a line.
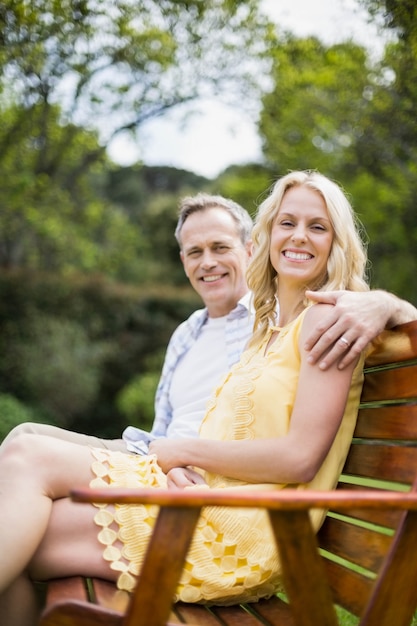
347,619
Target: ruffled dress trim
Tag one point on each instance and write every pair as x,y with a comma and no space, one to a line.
125,529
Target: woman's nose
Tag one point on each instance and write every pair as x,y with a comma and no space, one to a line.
299,234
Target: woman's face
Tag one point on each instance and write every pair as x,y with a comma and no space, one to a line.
301,238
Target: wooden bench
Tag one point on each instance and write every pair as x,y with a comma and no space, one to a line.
367,556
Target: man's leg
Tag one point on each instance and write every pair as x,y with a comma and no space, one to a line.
33,428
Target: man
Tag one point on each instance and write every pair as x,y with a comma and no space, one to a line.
213,234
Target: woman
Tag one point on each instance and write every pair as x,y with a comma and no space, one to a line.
275,420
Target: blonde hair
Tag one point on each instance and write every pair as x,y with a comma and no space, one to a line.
346,265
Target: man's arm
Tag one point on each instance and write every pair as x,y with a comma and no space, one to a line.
356,319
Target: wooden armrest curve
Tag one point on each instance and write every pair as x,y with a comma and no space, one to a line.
285,499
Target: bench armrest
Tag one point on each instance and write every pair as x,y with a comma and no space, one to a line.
288,510
274,500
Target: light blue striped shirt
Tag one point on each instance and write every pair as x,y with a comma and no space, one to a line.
238,329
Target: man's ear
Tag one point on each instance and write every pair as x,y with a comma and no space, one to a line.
249,247
182,261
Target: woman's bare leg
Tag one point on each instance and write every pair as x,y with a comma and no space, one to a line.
34,472
43,532
70,546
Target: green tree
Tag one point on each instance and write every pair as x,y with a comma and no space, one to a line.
313,113
55,222
14,412
60,366
398,15
390,132
387,150
246,184
73,75
125,62
150,197
335,109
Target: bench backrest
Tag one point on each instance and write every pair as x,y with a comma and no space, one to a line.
383,455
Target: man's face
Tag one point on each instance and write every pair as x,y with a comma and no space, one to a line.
215,259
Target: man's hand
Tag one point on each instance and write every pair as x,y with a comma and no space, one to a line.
356,319
181,477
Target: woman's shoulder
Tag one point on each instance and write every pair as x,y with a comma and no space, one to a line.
315,311
313,315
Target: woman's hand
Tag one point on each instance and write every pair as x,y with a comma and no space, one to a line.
168,453
181,477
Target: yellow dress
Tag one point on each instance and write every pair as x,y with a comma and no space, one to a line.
233,556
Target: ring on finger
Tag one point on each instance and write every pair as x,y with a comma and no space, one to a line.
344,340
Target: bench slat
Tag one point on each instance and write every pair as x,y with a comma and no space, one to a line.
350,589
265,612
382,462
274,612
395,346
106,595
75,613
389,384
234,616
361,546
397,422
167,549
387,518
196,614
67,589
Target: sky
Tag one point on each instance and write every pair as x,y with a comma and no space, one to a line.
218,136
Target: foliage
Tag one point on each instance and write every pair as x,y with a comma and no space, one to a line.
128,61
381,203
387,148
246,184
14,412
60,366
334,109
399,15
53,218
136,400
150,196
73,75
69,346
312,115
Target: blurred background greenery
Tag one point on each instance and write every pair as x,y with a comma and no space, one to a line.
91,286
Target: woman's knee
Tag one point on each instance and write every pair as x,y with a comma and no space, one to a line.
25,428
17,459
26,453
